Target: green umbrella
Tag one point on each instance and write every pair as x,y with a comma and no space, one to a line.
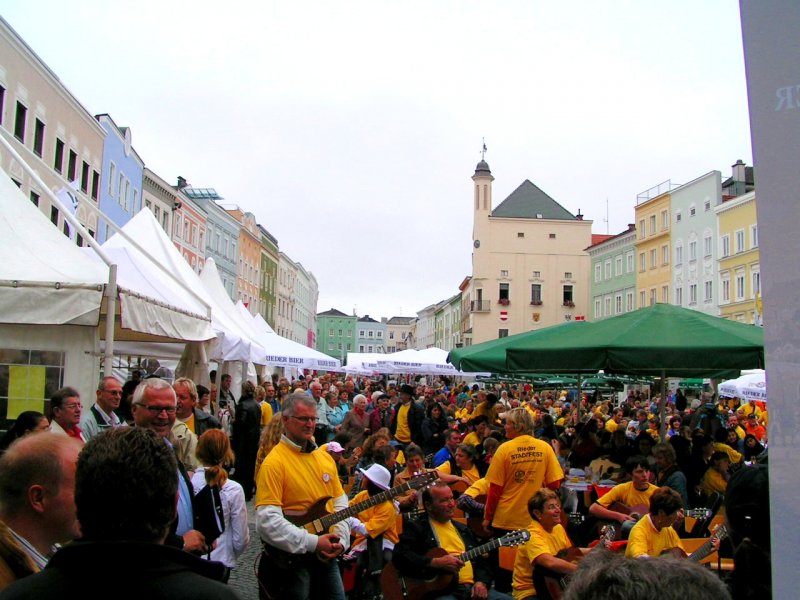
661,340
491,356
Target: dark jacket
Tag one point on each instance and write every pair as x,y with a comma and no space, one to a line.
156,573
417,539
416,415
204,421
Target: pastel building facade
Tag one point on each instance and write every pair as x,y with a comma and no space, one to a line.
739,260
336,333
123,171
613,285
653,249
530,268
269,276
370,335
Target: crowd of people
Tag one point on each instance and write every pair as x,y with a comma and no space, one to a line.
366,477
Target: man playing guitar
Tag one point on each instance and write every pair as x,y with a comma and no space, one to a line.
634,494
296,564
654,534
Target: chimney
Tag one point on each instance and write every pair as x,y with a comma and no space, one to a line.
579,216
182,183
739,171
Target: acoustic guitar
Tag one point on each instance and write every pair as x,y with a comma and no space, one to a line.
398,587
549,584
708,548
317,520
640,510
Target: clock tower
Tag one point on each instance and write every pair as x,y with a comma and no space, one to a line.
482,205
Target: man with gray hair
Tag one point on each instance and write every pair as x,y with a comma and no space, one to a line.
102,415
37,506
292,479
154,407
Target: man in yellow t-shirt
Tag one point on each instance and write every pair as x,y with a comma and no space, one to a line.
548,538
420,536
654,534
520,467
406,424
633,494
292,479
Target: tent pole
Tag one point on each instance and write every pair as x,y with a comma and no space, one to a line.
111,288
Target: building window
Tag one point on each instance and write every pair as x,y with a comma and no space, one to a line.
642,262
653,296
628,301
85,177
607,302
552,236
568,275
503,273
95,185
569,299
504,291
520,234
664,219
665,294
653,258
379,334
652,224
665,255
362,333
501,333
19,123
693,251
598,273
692,211
38,138
58,157
642,231
618,266
707,291
678,296
34,198
370,348
692,294
726,246
370,333
537,274
677,216
608,269
72,166
754,236
707,205
739,240
54,215
707,246
726,288
739,286
536,293
629,262
598,312
755,274
642,298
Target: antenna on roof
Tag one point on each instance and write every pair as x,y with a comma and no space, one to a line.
483,150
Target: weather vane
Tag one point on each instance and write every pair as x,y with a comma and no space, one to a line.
483,150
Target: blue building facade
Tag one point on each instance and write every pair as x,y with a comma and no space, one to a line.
121,187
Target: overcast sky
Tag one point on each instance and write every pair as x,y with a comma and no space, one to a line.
351,129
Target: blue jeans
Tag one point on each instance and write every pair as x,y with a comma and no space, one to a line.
311,579
465,591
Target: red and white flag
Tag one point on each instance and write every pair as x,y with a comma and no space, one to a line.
504,315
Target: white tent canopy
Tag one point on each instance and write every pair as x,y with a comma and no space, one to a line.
44,277
752,386
230,343
431,361
282,352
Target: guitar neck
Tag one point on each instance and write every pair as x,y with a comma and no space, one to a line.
708,548
351,511
482,549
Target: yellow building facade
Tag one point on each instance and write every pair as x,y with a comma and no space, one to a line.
739,261
653,251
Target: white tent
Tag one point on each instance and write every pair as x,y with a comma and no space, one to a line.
283,352
750,386
50,298
229,342
430,361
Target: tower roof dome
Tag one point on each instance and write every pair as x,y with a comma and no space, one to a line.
483,168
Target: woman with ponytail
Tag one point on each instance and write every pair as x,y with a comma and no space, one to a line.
215,457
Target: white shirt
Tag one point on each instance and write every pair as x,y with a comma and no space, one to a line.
236,536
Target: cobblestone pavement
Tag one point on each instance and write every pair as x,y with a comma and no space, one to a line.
243,578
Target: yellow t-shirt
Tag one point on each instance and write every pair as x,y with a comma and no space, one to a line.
540,543
266,413
646,540
471,474
451,541
628,495
295,480
521,466
611,425
479,488
190,423
379,519
472,439
403,432
734,455
713,481
481,409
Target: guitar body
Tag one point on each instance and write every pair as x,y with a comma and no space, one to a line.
307,518
397,587
636,512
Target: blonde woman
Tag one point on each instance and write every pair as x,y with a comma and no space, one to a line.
270,437
214,454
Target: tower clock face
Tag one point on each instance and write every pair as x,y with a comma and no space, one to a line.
477,243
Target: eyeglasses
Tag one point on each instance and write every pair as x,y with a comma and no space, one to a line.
156,410
71,406
304,420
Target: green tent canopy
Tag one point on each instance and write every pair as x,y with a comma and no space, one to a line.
661,340
491,356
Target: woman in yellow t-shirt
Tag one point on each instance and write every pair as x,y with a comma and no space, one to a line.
466,473
548,538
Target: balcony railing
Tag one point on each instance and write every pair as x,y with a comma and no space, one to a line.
479,306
